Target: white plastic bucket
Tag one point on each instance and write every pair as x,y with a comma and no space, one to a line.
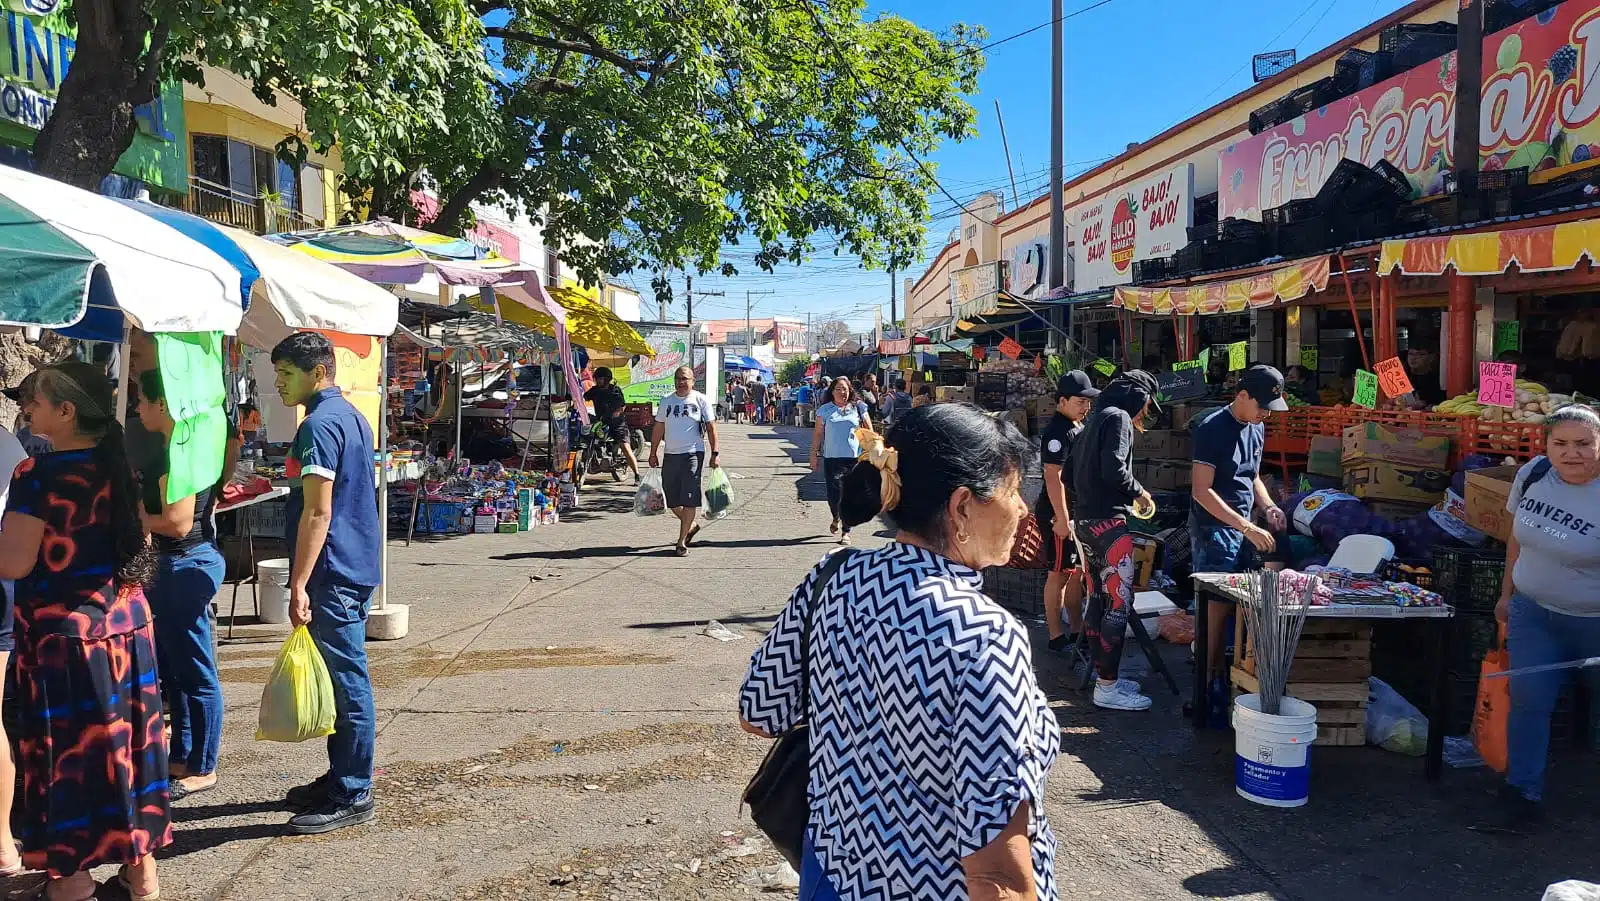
272,589
1272,754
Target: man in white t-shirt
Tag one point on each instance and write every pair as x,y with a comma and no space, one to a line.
685,421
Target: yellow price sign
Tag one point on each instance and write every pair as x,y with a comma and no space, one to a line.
1238,355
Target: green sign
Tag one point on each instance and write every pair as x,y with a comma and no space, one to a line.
1507,336
1238,355
34,61
1309,357
1366,389
1205,358
191,378
1105,368
1187,364
650,378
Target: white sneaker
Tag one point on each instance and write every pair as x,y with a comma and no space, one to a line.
1120,696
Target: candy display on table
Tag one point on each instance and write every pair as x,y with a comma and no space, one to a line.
1336,585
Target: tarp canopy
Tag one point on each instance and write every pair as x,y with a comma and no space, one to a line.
1539,248
738,362
291,291
65,251
1283,284
392,254
588,323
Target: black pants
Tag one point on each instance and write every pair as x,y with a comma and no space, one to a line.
833,472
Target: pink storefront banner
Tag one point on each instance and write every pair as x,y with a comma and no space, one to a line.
1541,103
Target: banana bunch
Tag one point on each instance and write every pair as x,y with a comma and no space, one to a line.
1533,403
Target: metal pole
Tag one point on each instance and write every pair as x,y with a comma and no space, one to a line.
894,312
122,373
461,388
749,339
383,472
688,292
1006,146
1058,221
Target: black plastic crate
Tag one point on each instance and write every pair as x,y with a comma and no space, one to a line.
1378,67
1239,251
1291,212
1366,225
1469,578
1303,237
1396,36
1021,590
1399,185
1236,229
1316,94
1155,269
1415,572
1420,49
1205,207
1352,186
1189,258
1501,14
1270,116
1347,71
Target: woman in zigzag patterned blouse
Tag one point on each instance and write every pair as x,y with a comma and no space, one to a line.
931,742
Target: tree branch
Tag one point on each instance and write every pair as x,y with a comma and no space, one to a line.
148,82
593,50
450,212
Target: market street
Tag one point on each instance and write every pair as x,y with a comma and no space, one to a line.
557,725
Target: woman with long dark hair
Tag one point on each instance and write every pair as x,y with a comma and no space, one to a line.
91,747
188,574
834,447
930,741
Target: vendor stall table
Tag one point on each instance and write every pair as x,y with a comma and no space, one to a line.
1213,586
247,534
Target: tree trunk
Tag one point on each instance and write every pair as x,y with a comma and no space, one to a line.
449,219
92,123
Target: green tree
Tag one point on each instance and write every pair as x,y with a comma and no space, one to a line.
791,371
369,72
652,133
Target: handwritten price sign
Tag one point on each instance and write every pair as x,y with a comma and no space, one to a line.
1011,348
1238,355
1105,368
1392,377
1309,357
1497,384
1366,389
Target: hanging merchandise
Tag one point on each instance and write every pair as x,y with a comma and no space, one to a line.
191,379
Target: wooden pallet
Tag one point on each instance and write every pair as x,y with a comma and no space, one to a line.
1330,670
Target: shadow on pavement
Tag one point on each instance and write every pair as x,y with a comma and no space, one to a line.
189,814
581,553
725,620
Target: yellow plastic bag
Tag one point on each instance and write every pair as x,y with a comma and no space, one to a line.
297,703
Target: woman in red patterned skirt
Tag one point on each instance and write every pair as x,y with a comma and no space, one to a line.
91,748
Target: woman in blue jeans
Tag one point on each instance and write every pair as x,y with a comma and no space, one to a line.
188,574
834,448
1550,600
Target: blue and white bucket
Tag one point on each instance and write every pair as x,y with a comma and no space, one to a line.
1272,753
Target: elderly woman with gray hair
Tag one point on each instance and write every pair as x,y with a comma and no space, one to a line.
1550,599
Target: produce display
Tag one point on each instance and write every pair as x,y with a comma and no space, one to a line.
1022,383
1534,403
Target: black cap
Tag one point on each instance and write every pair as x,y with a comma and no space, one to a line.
1076,384
1145,382
1265,385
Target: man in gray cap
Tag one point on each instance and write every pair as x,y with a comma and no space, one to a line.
1227,491
1064,586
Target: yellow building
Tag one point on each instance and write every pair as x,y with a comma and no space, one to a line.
235,175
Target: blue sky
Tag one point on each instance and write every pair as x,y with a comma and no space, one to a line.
1133,69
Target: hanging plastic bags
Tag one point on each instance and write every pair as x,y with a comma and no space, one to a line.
1491,718
1393,723
650,500
297,702
719,494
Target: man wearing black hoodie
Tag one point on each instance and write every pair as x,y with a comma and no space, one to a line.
1104,492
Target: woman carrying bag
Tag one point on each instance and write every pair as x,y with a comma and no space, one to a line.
834,447
916,743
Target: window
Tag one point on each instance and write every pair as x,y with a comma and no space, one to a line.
288,186
211,159
311,198
552,269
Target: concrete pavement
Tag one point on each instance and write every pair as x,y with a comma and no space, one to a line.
557,726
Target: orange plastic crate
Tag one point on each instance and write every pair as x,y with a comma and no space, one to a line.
1521,440
1291,432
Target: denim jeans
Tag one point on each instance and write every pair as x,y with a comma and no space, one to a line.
339,627
1219,549
180,604
1537,636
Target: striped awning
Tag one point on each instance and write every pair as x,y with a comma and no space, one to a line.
1540,248
1283,284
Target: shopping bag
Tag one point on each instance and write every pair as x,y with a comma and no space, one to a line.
719,494
297,702
1491,717
650,500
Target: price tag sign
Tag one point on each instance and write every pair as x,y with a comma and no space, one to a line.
1105,368
1507,336
1310,357
1366,389
980,353
1038,364
1205,359
1497,384
1187,364
1392,377
1011,348
1238,355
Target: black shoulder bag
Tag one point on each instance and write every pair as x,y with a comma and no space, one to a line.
777,794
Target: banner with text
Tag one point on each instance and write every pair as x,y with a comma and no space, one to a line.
650,378
1541,110
1142,221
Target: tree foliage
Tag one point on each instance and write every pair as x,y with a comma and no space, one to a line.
793,370
652,133
368,72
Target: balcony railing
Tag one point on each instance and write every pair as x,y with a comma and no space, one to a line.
258,215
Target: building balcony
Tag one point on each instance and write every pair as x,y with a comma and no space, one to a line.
260,215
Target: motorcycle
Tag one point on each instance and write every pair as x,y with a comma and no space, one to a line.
599,452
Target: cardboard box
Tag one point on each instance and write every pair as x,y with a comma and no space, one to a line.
1381,480
953,394
1170,477
1488,490
1372,441
1164,444
1327,453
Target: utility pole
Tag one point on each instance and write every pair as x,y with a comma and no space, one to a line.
1058,127
749,337
1469,41
1006,146
689,290
894,315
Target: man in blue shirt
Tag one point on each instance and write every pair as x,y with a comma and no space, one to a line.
1226,487
334,542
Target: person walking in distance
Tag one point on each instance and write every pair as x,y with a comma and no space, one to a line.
334,541
738,397
1227,492
1104,493
834,447
684,421
758,398
1063,588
